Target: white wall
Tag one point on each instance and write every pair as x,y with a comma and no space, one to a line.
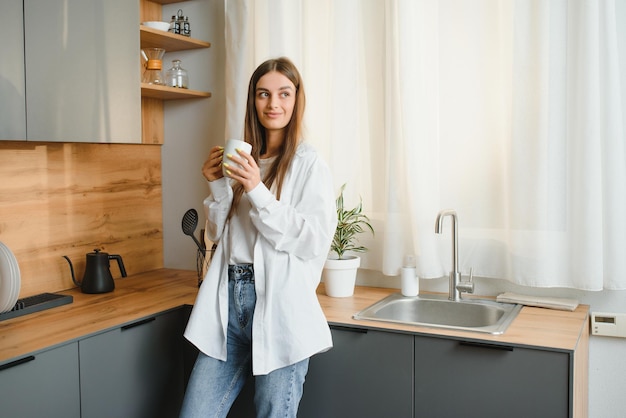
192,127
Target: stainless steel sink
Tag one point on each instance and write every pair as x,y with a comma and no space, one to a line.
478,315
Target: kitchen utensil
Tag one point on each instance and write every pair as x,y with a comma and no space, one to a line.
189,224
153,63
97,278
10,280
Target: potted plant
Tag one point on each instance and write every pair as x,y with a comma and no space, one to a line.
340,268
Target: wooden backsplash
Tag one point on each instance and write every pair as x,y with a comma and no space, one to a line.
68,199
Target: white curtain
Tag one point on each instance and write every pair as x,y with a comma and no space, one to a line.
510,112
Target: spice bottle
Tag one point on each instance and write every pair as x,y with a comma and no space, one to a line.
174,25
186,27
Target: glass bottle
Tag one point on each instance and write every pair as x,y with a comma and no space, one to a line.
174,25
180,22
177,76
186,27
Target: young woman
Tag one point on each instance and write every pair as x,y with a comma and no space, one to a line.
273,217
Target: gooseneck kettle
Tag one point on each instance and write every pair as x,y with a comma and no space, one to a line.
97,278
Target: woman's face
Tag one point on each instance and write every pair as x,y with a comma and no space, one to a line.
275,99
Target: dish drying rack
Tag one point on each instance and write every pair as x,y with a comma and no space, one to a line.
36,303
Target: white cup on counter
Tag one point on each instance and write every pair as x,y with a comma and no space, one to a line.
230,148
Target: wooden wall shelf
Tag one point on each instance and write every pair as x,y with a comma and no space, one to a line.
154,38
171,93
153,96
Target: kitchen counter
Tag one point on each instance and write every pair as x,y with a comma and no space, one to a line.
538,327
545,330
145,294
93,319
135,297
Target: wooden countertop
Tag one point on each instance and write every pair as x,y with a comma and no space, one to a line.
533,326
148,293
135,297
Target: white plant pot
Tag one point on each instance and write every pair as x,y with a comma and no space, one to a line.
340,276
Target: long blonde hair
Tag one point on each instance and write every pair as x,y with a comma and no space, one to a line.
255,133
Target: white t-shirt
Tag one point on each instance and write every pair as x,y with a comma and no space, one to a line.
242,233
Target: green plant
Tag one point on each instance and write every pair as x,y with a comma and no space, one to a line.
349,224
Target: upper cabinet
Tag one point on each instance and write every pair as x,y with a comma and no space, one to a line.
82,83
72,76
12,87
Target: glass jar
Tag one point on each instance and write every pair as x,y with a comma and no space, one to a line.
177,76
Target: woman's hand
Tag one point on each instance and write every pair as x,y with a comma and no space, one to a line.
249,174
212,167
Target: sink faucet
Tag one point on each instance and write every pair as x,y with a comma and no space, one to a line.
457,285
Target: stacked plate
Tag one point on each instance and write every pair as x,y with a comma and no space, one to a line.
10,281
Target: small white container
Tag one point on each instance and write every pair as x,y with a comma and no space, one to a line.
409,281
155,24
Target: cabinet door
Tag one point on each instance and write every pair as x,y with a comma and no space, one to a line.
366,374
470,379
81,70
12,88
134,371
42,385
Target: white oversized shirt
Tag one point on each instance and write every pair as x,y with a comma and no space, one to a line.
290,248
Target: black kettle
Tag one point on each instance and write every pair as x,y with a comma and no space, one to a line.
97,278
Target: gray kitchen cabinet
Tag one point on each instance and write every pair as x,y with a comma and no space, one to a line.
82,81
367,373
45,384
12,84
136,370
472,379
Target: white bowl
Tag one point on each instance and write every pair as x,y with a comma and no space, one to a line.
164,26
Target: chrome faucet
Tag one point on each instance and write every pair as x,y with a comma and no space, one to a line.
457,285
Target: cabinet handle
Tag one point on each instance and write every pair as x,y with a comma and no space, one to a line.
17,362
486,345
349,329
138,323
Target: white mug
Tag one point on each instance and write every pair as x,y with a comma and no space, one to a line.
230,148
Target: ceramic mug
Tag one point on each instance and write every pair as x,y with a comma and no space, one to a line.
230,148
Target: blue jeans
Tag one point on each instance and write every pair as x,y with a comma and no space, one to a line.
214,384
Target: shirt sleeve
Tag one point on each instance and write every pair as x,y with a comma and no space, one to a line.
216,206
303,222
260,196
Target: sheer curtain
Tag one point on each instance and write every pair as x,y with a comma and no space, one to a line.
510,112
